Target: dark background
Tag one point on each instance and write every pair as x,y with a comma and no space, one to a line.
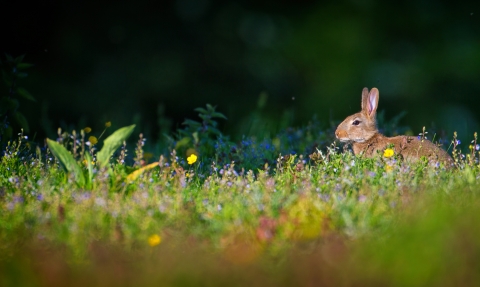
125,62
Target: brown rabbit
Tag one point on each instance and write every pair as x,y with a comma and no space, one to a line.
361,130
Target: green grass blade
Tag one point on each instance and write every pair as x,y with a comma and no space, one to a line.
112,143
67,161
89,161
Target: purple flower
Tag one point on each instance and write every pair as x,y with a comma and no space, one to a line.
18,199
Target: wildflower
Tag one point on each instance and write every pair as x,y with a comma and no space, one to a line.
192,159
388,152
154,240
93,140
389,168
85,162
108,124
477,147
87,130
458,142
18,199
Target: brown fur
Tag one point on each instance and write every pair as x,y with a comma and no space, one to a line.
361,130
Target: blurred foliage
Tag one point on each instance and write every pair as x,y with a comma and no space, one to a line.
199,137
12,120
123,62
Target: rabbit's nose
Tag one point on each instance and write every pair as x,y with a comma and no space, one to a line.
340,134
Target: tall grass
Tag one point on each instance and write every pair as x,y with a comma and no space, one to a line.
286,210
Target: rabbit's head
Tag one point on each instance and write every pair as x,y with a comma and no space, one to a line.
361,126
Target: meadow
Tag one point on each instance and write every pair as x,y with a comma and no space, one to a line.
290,208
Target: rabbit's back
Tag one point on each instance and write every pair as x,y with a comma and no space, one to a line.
409,148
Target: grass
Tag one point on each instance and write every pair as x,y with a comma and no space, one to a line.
267,212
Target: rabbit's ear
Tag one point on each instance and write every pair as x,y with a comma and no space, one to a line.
364,99
370,102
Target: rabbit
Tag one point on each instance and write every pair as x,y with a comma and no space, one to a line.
360,129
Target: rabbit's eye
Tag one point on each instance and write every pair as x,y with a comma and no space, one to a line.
356,122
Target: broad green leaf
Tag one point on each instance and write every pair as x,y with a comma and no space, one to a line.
67,161
26,94
112,143
21,121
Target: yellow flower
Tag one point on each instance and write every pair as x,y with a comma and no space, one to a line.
388,152
154,240
93,140
87,130
192,159
389,168
108,124
85,162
